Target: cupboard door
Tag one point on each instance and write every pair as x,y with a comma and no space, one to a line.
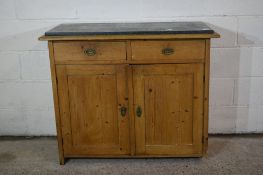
91,98
168,109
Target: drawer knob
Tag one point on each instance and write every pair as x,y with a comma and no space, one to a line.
90,52
167,51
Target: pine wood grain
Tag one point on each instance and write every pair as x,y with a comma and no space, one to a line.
171,98
56,102
92,97
75,51
206,96
152,50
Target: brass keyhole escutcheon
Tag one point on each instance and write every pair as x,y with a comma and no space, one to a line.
139,111
123,111
90,52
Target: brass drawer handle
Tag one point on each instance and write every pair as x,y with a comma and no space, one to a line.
123,111
90,52
167,51
139,111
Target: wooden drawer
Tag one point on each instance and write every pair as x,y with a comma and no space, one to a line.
168,50
72,51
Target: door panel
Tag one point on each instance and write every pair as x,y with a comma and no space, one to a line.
94,95
170,97
90,101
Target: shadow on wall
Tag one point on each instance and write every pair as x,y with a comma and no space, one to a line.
26,103
226,114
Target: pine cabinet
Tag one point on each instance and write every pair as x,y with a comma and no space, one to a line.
124,94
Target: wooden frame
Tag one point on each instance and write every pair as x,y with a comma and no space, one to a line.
56,102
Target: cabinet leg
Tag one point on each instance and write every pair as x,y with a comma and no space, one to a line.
62,160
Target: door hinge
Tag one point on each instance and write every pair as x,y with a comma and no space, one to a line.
203,139
204,78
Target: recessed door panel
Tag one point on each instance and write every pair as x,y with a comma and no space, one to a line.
91,119
170,98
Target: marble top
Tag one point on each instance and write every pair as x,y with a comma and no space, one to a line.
76,29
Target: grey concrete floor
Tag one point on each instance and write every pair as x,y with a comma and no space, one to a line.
227,155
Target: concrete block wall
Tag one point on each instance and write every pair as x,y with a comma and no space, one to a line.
26,106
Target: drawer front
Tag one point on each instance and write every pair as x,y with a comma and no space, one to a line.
89,51
168,50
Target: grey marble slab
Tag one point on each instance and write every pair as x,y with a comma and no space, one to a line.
75,29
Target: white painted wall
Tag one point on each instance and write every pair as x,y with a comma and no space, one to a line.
26,106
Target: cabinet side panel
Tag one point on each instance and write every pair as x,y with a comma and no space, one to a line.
206,96
56,103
